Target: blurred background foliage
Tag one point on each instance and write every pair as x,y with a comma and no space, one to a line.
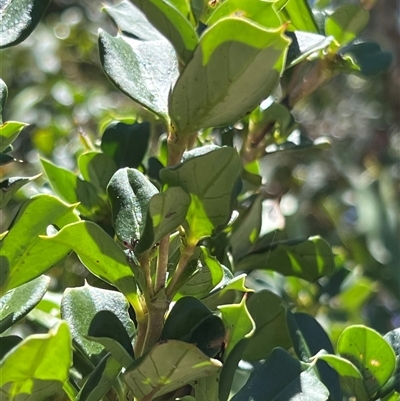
348,194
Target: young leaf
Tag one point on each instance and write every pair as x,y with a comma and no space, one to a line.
166,212
143,70
168,19
9,131
370,352
130,192
79,306
346,23
10,186
38,366
309,260
25,256
234,57
100,254
210,181
125,143
168,366
18,19
18,302
282,377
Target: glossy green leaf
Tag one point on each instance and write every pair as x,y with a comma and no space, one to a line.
234,57
394,396
24,255
168,19
38,366
281,377
130,192
97,168
5,159
9,131
350,377
298,13
100,380
3,99
72,189
168,366
143,70
238,323
269,316
370,352
10,186
18,19
17,303
346,23
108,330
125,143
261,12
309,260
78,307
100,254
309,338
166,212
210,181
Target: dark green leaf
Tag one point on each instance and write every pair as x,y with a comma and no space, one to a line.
108,330
80,305
3,99
309,260
234,57
281,377
346,23
126,144
130,192
210,181
166,212
143,70
5,159
18,19
9,131
18,302
168,19
168,366
24,374
25,256
10,186
7,344
393,338
269,315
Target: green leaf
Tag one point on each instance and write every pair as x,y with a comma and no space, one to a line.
168,366
80,305
5,159
10,186
205,389
3,99
238,323
346,23
234,57
298,14
350,377
167,18
8,343
309,260
100,254
269,316
69,187
370,352
97,168
100,380
143,70
17,303
130,192
108,330
262,13
166,212
126,144
24,255
282,377
393,338
210,181
18,19
38,366
9,131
